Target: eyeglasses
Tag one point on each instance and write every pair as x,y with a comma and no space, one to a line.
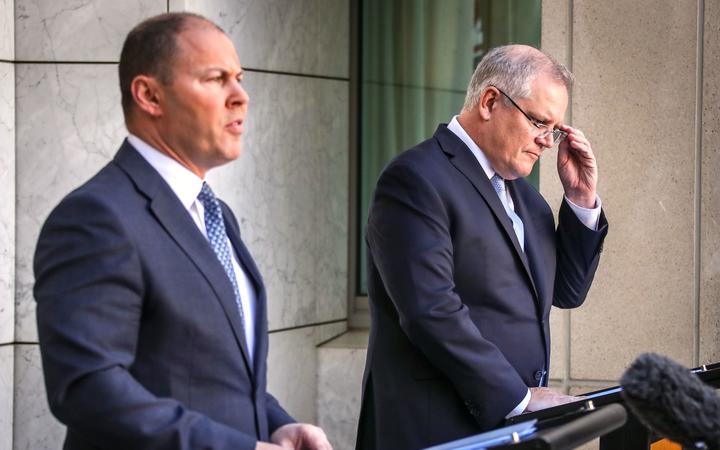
544,130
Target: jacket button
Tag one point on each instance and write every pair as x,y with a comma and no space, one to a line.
538,375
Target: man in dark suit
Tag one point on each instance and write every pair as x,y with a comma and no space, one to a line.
464,260
151,313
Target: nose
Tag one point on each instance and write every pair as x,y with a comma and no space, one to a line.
545,140
238,95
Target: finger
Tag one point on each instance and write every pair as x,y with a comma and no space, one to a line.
570,130
316,439
577,139
581,147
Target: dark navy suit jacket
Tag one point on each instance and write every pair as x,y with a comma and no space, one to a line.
142,344
459,312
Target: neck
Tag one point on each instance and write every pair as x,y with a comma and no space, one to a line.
153,137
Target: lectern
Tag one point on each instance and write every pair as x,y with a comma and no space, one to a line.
560,433
633,435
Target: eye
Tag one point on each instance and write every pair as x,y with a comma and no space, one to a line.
537,124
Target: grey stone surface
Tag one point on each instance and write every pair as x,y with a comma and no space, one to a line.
7,202
341,365
289,192
7,356
300,36
77,30
69,124
34,427
643,132
293,368
7,27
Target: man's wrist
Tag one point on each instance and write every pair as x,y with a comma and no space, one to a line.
584,201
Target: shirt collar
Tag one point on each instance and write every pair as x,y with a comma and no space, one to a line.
185,184
460,132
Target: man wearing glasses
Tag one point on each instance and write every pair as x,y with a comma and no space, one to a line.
465,260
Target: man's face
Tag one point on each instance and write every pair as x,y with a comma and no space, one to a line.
204,106
515,143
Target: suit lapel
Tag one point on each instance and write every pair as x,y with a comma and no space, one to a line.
252,271
532,250
464,161
171,214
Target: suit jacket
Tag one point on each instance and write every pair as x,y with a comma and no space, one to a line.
459,312
141,341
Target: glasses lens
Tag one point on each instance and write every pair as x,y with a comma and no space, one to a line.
558,136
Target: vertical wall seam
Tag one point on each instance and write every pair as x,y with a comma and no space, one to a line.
568,314
699,60
13,276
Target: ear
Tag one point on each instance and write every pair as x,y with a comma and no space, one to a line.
488,101
147,92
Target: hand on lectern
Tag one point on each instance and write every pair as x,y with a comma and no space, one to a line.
543,397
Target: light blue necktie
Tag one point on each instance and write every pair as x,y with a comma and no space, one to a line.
215,228
498,184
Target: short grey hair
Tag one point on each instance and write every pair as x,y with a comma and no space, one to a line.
513,69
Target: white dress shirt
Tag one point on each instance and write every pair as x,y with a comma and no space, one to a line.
186,186
589,217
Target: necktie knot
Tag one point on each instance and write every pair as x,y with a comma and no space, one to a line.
498,184
207,196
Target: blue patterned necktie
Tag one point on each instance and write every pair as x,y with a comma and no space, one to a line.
498,184
217,237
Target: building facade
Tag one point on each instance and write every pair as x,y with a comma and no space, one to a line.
647,95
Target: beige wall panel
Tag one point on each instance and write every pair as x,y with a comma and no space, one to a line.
555,33
635,97
555,40
558,338
710,200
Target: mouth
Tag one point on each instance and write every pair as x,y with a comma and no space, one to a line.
235,127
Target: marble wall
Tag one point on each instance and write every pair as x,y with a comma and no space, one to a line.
656,140
60,121
7,221
341,362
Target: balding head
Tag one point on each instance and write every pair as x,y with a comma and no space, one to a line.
151,49
513,68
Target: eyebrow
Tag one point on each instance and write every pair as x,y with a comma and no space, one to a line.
223,70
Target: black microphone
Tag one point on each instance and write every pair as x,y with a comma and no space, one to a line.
672,401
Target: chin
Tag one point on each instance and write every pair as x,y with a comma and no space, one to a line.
232,153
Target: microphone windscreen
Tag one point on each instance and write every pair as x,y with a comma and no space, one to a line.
672,401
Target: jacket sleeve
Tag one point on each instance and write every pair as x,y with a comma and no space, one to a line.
409,239
578,255
89,293
277,416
